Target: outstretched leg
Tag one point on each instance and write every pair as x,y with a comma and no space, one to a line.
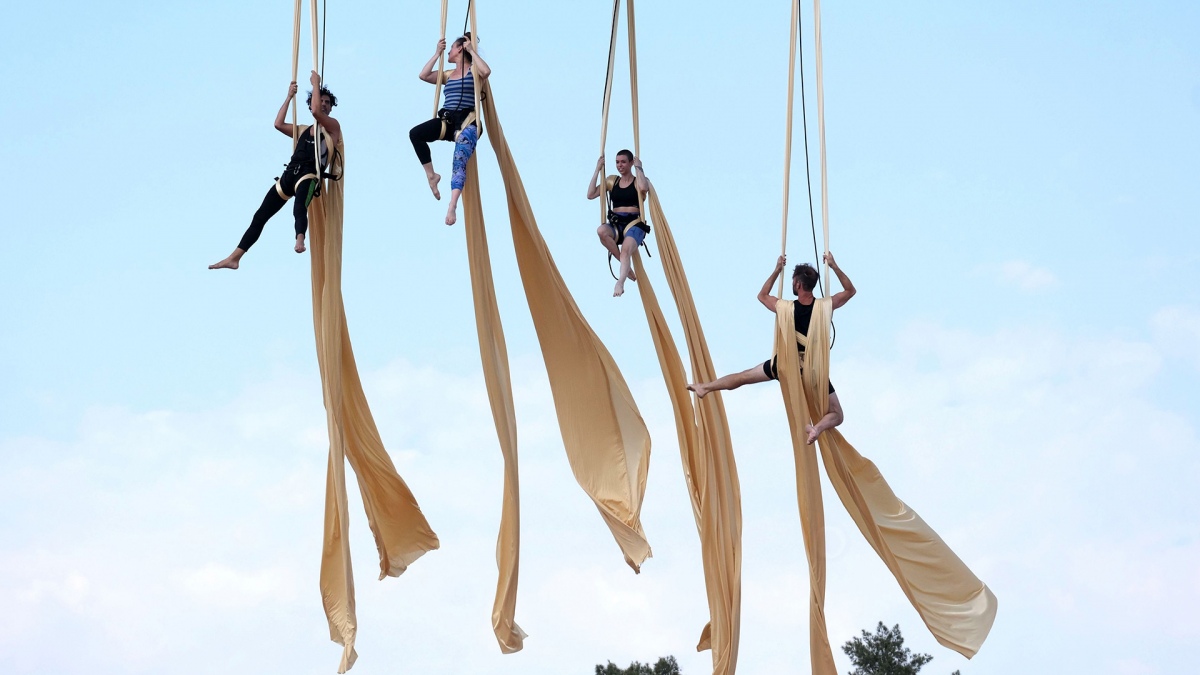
464,147
627,248
749,376
831,419
270,206
421,136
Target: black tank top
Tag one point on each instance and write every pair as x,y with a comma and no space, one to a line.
304,154
624,196
803,316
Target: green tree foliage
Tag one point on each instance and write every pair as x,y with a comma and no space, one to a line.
883,653
665,666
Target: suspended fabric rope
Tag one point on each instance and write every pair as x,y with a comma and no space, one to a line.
955,605
704,440
401,532
605,438
493,353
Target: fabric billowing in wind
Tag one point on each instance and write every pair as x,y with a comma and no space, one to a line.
705,447
605,438
493,353
955,605
401,532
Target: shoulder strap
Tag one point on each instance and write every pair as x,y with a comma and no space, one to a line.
612,181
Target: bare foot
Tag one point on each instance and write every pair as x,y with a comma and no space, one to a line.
701,390
619,289
433,185
451,217
226,264
632,276
812,433
300,244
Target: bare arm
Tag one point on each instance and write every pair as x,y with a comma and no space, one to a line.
477,63
764,296
281,118
594,189
643,183
841,297
327,123
427,72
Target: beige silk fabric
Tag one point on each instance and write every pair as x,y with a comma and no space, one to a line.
494,355
709,469
955,605
705,446
605,437
401,533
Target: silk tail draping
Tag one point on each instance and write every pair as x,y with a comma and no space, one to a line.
401,532
494,356
955,605
706,449
705,446
606,440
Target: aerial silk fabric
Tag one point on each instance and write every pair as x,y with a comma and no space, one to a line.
709,469
401,532
706,448
494,355
955,605
606,440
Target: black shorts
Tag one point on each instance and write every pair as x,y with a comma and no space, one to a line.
771,368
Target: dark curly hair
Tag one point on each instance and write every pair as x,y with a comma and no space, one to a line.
324,92
808,276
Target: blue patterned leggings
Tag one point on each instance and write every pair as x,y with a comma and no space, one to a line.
464,147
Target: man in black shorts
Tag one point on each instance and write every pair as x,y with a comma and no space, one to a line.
804,279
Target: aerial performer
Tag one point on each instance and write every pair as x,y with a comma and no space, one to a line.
298,177
625,229
456,120
804,279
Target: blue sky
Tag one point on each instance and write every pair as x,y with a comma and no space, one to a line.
1013,192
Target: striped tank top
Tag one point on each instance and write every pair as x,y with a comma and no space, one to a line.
460,93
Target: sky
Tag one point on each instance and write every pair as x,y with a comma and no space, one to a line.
1012,190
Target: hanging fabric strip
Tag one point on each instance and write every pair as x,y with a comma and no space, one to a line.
474,71
704,440
295,73
605,437
820,129
808,481
706,449
955,605
494,356
401,532
437,89
787,144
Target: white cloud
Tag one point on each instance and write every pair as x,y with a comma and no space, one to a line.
193,538
1177,332
1024,275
